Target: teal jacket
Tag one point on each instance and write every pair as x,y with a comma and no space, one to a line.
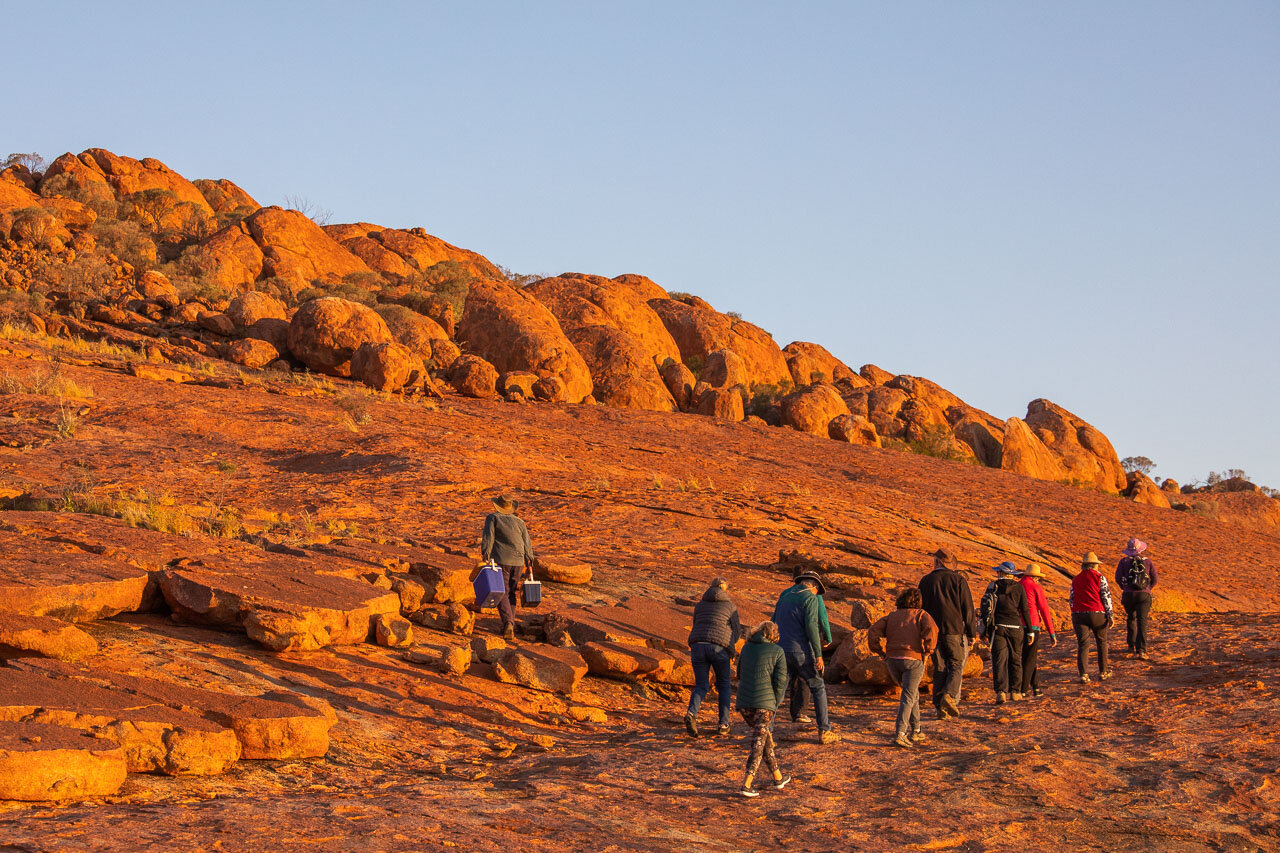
824,624
762,676
799,620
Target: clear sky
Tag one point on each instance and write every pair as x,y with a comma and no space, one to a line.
1079,201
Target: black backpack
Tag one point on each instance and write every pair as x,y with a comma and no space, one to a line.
1138,577
987,608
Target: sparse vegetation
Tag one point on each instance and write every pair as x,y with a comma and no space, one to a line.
1138,464
67,424
317,214
936,440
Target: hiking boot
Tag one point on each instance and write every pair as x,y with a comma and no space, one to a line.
779,784
903,741
749,792
723,730
950,705
1106,675
691,725
918,736
509,633
828,737
1001,698
1017,697
1143,656
801,720
1084,678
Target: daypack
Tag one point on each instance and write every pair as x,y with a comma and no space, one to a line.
987,609
1138,577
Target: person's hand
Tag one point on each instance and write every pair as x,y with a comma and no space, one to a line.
1054,637
820,665
1031,639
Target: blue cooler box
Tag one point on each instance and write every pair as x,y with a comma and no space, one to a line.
489,586
531,593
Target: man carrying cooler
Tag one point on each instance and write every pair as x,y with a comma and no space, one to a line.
505,541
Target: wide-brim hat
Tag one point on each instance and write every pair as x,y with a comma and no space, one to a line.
1090,559
505,504
1134,548
812,577
1006,568
945,557
1034,570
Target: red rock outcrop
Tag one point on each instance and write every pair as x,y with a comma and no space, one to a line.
41,636
326,332
421,334
699,330
230,258
514,332
298,250
223,196
812,409
619,336
387,366
1024,453
401,253
812,363
1141,489
472,376
248,308
127,176
1085,452
50,764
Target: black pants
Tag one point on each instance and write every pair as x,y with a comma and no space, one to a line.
1137,608
1084,625
948,666
1030,674
1006,659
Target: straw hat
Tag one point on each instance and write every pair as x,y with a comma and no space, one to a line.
1034,570
1090,559
505,504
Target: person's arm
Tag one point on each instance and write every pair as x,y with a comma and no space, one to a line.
928,634
486,539
779,678
1121,572
875,636
1024,606
1151,573
528,545
811,627
735,628
1042,601
1105,590
824,622
1071,597
966,610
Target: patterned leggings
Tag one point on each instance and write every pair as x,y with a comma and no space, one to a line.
761,723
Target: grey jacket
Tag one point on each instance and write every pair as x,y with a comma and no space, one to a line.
715,620
505,540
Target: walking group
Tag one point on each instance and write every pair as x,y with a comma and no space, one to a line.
781,662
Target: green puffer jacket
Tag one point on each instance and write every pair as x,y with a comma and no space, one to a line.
762,675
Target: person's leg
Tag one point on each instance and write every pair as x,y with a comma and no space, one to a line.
1029,662
506,604
701,681
1130,620
1100,638
818,687
912,673
941,676
1082,642
897,671
958,654
1016,638
999,662
770,755
794,665
759,725
1144,619
724,690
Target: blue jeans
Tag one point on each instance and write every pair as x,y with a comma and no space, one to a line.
907,673
706,657
801,668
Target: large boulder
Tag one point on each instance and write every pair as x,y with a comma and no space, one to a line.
812,363
251,352
619,336
680,383
42,636
229,258
515,332
387,366
722,403
812,409
1142,489
296,249
1024,453
424,336
725,369
43,763
1085,453
472,376
416,250
854,430
248,308
326,332
699,330
223,196
541,667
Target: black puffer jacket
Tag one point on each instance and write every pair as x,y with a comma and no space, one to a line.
715,620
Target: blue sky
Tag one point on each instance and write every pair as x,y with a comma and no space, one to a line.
1075,201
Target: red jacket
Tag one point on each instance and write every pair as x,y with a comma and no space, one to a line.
1090,593
1039,604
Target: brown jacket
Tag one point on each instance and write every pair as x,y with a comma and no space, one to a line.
904,634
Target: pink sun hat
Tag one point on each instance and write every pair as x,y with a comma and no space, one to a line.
1134,548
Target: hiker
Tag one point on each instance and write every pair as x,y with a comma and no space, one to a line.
1004,616
505,541
762,681
712,644
1136,577
797,690
1041,621
1090,614
799,624
948,601
904,639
